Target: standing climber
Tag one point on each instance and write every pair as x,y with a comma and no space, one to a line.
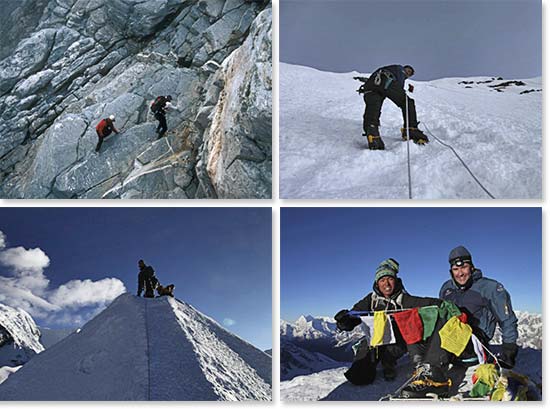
104,128
147,280
389,82
159,108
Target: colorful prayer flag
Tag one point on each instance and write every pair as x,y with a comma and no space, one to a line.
374,327
455,336
410,325
428,315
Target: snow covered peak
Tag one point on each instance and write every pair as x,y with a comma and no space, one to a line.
19,336
308,327
145,349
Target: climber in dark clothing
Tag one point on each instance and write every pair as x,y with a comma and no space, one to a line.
159,108
146,280
389,82
103,129
388,295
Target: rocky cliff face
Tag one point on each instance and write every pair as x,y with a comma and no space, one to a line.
78,61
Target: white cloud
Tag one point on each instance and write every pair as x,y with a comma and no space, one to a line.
11,293
79,293
21,259
28,288
228,322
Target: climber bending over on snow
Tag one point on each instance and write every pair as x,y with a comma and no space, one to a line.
389,82
104,128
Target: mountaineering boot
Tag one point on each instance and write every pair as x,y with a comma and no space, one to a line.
416,135
373,138
427,379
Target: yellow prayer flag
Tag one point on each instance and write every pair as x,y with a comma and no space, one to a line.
455,336
380,320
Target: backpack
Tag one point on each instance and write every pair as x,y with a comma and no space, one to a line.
158,104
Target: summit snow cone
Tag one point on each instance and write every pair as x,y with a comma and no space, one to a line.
145,349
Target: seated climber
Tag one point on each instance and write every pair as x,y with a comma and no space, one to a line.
168,290
388,295
104,128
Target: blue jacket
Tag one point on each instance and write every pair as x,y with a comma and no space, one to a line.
487,302
398,73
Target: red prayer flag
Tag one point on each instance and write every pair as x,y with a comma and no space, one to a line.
463,318
410,325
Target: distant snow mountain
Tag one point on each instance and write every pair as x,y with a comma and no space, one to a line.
307,343
495,126
19,337
298,361
145,349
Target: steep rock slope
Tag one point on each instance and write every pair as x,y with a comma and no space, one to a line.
89,59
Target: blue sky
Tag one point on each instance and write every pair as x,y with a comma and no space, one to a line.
218,258
439,38
329,255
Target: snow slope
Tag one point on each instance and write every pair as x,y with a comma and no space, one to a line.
299,361
49,336
330,384
145,349
323,155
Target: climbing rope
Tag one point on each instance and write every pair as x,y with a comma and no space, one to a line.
460,159
408,148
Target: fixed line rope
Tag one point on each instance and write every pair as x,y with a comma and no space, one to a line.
460,159
408,148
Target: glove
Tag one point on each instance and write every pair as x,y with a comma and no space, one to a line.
508,353
346,322
411,88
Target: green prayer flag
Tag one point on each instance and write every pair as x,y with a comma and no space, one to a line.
428,315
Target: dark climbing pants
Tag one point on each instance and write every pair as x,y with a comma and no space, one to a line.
363,370
374,98
163,126
100,140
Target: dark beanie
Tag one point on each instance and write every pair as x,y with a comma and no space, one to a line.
460,253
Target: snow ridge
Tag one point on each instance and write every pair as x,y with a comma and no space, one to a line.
145,349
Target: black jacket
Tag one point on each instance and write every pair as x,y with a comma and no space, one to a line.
147,280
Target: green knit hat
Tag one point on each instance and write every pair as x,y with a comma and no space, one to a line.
388,267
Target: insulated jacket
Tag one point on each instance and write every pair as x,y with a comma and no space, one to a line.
400,299
487,303
147,280
105,127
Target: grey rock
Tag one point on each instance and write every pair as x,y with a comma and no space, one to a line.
34,83
86,59
28,58
237,149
